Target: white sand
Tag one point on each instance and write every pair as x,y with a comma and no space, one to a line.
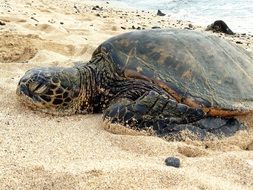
39,151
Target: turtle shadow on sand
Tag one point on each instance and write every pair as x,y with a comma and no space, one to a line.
163,82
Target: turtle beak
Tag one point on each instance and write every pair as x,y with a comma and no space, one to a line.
31,85
23,90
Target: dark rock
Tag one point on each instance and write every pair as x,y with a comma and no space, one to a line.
122,27
95,7
238,42
188,28
34,19
138,28
220,26
172,161
156,27
2,23
160,13
190,25
61,22
133,27
77,10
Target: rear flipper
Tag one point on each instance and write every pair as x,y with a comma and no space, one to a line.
206,128
164,117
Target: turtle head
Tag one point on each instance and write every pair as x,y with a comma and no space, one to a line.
51,90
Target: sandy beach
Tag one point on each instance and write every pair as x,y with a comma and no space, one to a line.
40,151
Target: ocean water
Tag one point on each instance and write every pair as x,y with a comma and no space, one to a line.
238,14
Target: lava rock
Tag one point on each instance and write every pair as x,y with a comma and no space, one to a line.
190,25
2,23
160,13
156,27
172,161
97,8
77,10
238,42
220,26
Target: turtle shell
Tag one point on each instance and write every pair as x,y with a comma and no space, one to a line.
199,70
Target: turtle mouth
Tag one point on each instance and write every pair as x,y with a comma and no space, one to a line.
34,101
33,91
30,94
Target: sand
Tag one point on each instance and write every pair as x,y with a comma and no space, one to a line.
40,151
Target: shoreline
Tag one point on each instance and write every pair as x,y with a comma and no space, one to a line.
242,39
174,16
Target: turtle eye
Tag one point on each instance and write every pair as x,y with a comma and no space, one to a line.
37,87
40,89
33,85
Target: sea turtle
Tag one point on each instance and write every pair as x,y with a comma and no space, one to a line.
164,82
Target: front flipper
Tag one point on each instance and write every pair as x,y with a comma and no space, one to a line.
164,117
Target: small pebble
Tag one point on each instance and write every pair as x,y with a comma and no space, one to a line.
34,19
238,42
190,25
156,27
172,161
2,23
77,10
97,8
